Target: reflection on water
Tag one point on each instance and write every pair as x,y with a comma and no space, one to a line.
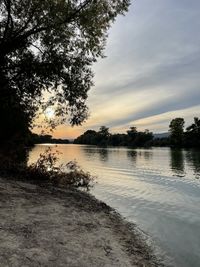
181,159
193,158
156,188
132,155
135,156
177,162
101,152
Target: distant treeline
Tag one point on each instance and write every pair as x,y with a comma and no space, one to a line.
104,138
47,138
181,137
178,136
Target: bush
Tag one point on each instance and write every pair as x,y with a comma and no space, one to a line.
45,169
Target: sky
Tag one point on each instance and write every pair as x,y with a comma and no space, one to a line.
151,71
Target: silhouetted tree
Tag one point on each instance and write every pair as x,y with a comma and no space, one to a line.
118,140
104,132
14,121
46,138
89,137
142,138
49,45
136,138
132,133
104,138
192,135
160,142
177,131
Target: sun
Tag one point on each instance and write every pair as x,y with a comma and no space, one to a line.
49,113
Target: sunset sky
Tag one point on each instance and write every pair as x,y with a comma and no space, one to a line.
151,72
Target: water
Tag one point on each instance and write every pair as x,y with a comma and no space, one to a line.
158,189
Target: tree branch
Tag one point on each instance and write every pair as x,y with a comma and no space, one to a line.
20,39
37,48
26,23
78,10
7,3
67,20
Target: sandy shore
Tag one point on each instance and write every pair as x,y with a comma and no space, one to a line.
46,226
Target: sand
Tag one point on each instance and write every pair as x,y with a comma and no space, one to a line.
48,226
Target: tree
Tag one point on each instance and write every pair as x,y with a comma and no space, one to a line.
103,136
104,131
192,134
143,138
89,137
177,131
118,139
14,121
195,127
138,139
132,133
50,45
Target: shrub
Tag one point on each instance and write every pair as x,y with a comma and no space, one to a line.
45,169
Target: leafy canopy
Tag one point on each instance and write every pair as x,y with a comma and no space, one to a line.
50,45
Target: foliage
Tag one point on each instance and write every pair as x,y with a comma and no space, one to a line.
46,138
132,132
103,137
46,169
50,45
118,140
160,142
12,160
138,139
192,134
14,121
176,129
180,138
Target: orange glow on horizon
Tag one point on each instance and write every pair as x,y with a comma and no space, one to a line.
63,132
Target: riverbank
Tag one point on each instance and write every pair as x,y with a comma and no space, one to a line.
47,226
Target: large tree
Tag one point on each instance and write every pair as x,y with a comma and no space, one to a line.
50,45
176,129
192,134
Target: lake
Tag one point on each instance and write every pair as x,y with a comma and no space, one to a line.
158,189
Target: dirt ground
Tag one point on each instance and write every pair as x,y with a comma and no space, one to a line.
47,226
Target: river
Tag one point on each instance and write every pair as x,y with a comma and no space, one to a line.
157,188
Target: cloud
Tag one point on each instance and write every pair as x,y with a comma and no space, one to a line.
152,68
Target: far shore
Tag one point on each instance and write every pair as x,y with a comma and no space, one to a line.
46,226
